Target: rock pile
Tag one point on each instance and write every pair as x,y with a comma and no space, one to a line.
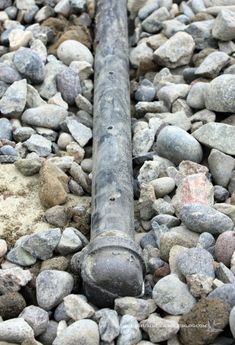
182,78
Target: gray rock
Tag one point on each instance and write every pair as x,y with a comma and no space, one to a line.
37,318
171,26
57,216
77,308
224,274
12,279
202,217
44,13
147,9
5,3
196,96
232,321
48,116
206,240
129,331
201,34
72,50
159,329
212,65
82,332
143,141
198,5
15,331
63,7
49,335
29,64
68,83
3,88
219,94
33,98
170,93
5,129
8,74
163,186
225,247
80,176
148,172
42,244
177,51
83,104
60,313
14,99
173,296
220,193
69,242
168,220
196,261
153,23
145,91
39,144
221,167
29,167
24,4
226,293
80,133
48,88
8,159
199,285
108,324
150,107
218,136
140,54
161,206
177,145
51,287
23,133
20,257
224,26
139,308
8,150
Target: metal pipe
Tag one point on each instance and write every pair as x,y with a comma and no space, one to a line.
113,265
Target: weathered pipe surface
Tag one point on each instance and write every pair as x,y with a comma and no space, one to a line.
113,265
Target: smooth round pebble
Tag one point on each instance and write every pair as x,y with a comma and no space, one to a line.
224,247
71,50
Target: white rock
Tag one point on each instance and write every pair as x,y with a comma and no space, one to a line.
72,50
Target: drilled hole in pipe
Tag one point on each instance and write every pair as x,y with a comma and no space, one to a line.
112,199
111,73
110,127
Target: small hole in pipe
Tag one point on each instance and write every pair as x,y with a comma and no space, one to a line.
110,127
110,72
112,199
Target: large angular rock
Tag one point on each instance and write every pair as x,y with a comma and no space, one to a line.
218,136
177,51
173,296
15,330
39,144
221,167
14,99
136,307
48,116
51,287
224,26
220,94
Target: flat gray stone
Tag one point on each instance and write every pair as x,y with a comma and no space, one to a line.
129,331
108,324
173,296
177,51
69,242
39,144
15,331
224,26
221,167
14,99
202,217
5,129
217,136
20,257
139,308
8,74
196,261
68,83
48,116
212,65
220,94
36,317
29,64
42,244
82,332
81,133
51,287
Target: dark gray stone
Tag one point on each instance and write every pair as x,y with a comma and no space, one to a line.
201,217
68,83
226,293
29,64
8,74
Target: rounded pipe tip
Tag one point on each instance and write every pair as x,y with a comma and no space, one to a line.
112,272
